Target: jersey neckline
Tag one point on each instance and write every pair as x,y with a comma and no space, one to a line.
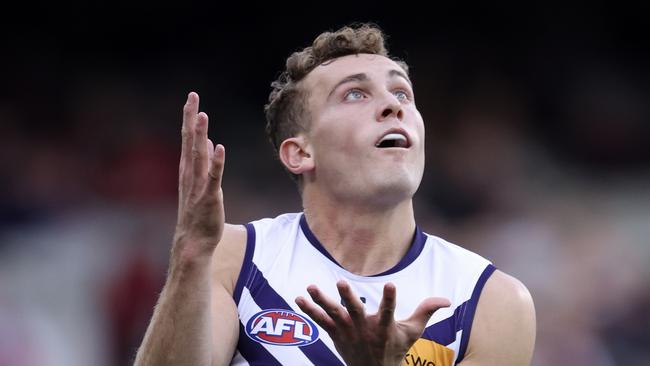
417,244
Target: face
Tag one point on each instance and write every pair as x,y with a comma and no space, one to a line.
366,136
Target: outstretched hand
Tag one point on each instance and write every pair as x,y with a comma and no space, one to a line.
200,198
362,339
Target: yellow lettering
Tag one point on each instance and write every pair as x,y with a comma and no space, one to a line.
428,353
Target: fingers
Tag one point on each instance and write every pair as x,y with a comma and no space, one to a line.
317,314
201,163
215,173
210,149
352,303
425,310
200,154
329,314
331,307
190,110
387,307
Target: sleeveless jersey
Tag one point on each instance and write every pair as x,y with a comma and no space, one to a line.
283,257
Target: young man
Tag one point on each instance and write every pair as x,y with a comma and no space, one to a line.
351,280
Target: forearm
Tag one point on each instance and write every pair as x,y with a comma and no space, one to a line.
180,330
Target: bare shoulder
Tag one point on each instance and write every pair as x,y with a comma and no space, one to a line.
503,330
226,263
507,291
229,256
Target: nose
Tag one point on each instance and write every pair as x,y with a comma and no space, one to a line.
390,108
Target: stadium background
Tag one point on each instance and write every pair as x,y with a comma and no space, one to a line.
538,123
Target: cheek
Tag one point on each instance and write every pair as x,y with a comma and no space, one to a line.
336,136
419,127
337,145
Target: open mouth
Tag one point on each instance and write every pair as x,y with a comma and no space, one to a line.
394,139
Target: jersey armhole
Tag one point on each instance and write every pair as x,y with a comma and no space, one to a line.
247,264
470,310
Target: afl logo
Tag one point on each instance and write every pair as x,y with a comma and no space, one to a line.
281,328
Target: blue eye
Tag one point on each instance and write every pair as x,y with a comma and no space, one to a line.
401,95
354,94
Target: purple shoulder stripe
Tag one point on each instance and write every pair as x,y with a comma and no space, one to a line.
444,331
467,316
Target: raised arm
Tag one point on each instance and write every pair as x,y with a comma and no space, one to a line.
183,327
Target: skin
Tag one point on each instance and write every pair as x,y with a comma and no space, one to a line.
357,200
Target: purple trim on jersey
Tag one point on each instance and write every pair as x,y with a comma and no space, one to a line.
254,353
266,298
416,248
468,314
444,331
247,263
414,251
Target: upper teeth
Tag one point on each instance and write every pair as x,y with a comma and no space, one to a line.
392,136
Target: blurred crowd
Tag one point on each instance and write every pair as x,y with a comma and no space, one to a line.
554,188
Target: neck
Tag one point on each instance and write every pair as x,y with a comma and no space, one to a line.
364,240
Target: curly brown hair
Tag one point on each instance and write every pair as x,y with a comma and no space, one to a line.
286,112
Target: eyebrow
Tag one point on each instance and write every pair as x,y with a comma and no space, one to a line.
363,77
349,79
393,73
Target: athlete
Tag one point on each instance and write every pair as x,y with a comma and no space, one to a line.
351,280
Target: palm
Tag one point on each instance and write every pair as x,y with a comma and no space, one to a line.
200,213
363,339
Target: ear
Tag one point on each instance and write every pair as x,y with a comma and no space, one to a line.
296,155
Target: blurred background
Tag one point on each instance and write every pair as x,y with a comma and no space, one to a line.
538,127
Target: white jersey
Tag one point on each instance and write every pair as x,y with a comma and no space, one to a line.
283,257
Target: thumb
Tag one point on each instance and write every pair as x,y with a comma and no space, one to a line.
418,320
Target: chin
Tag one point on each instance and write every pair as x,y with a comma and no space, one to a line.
377,187
396,188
